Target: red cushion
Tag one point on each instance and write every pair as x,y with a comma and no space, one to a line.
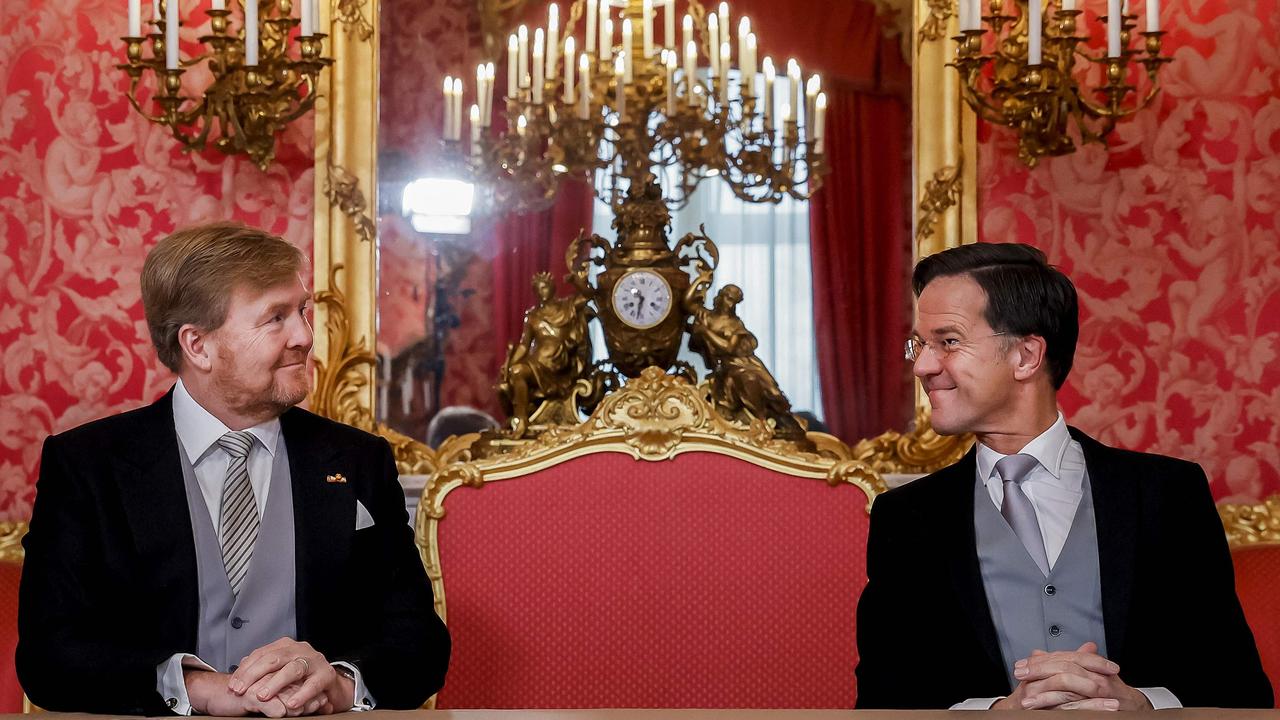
10,691
703,581
1258,585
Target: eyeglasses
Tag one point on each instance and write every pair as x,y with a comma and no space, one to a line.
914,346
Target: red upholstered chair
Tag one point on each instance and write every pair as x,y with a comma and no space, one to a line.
11,698
1254,534
652,557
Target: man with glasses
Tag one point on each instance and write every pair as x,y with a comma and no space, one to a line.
1045,569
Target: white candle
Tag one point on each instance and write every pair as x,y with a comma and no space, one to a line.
713,41
669,26
521,124
744,29
769,76
171,35
1068,4
646,32
687,27
523,74
486,113
1153,16
475,131
820,122
786,117
219,4
690,70
626,44
811,95
606,36
569,54
538,54
619,71
749,64
1034,28
794,82
1114,21
669,58
726,61
135,18
725,27
584,92
457,108
627,67
308,20
513,71
480,87
446,130
155,11
592,10
553,40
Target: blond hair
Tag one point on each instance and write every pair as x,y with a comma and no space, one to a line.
189,276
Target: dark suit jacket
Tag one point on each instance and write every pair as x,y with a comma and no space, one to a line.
925,634
109,586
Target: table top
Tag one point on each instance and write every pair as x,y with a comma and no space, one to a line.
649,714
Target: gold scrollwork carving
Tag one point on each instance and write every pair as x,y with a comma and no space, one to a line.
940,193
919,451
11,534
343,189
1252,524
339,379
351,14
935,25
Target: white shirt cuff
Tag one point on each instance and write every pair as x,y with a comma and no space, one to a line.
363,700
171,684
1161,698
977,703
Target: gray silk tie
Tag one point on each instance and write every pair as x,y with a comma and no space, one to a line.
1017,509
239,509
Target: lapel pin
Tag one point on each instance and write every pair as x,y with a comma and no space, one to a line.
336,478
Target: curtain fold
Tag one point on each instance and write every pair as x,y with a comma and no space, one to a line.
860,246
525,245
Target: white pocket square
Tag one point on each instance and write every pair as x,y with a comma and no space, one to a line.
363,518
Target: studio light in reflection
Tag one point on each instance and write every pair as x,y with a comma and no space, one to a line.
439,206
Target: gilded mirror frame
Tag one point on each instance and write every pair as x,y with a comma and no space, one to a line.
944,196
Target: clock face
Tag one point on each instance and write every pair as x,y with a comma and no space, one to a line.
641,299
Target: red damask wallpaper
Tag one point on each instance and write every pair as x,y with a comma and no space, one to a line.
86,188
1172,241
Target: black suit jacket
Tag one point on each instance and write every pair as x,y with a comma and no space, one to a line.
109,587
1171,617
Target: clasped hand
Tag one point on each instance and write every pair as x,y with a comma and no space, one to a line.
286,678
1079,680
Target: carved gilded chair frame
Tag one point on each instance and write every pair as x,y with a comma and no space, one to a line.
346,280
652,418
1249,525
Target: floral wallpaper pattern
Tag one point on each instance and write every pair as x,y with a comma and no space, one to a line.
86,188
1172,240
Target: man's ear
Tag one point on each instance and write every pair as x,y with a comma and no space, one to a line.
1030,356
196,347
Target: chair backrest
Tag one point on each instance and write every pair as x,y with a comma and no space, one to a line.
11,697
653,557
1254,534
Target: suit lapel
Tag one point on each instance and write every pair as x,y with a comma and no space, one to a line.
155,503
1115,506
323,512
966,573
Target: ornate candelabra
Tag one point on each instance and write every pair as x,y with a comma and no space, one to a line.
259,83
1028,80
640,111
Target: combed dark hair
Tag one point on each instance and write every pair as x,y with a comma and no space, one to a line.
1025,295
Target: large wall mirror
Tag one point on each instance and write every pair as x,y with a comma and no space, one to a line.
415,306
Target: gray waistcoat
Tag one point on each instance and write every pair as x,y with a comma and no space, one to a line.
231,627
1030,611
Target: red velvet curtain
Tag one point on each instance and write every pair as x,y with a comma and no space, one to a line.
525,245
860,244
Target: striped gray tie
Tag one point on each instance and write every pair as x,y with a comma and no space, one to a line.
239,509
1017,509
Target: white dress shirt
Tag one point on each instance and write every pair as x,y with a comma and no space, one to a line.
198,433
1054,488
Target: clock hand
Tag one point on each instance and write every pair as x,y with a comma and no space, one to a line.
640,307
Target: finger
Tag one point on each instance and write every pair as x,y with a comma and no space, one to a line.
1049,668
1089,661
273,708
1041,701
1038,651
1088,647
263,660
293,672
1103,704
313,687
1085,686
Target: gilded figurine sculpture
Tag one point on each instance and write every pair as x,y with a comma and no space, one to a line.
553,353
741,386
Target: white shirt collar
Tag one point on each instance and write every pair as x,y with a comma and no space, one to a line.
198,430
1049,447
